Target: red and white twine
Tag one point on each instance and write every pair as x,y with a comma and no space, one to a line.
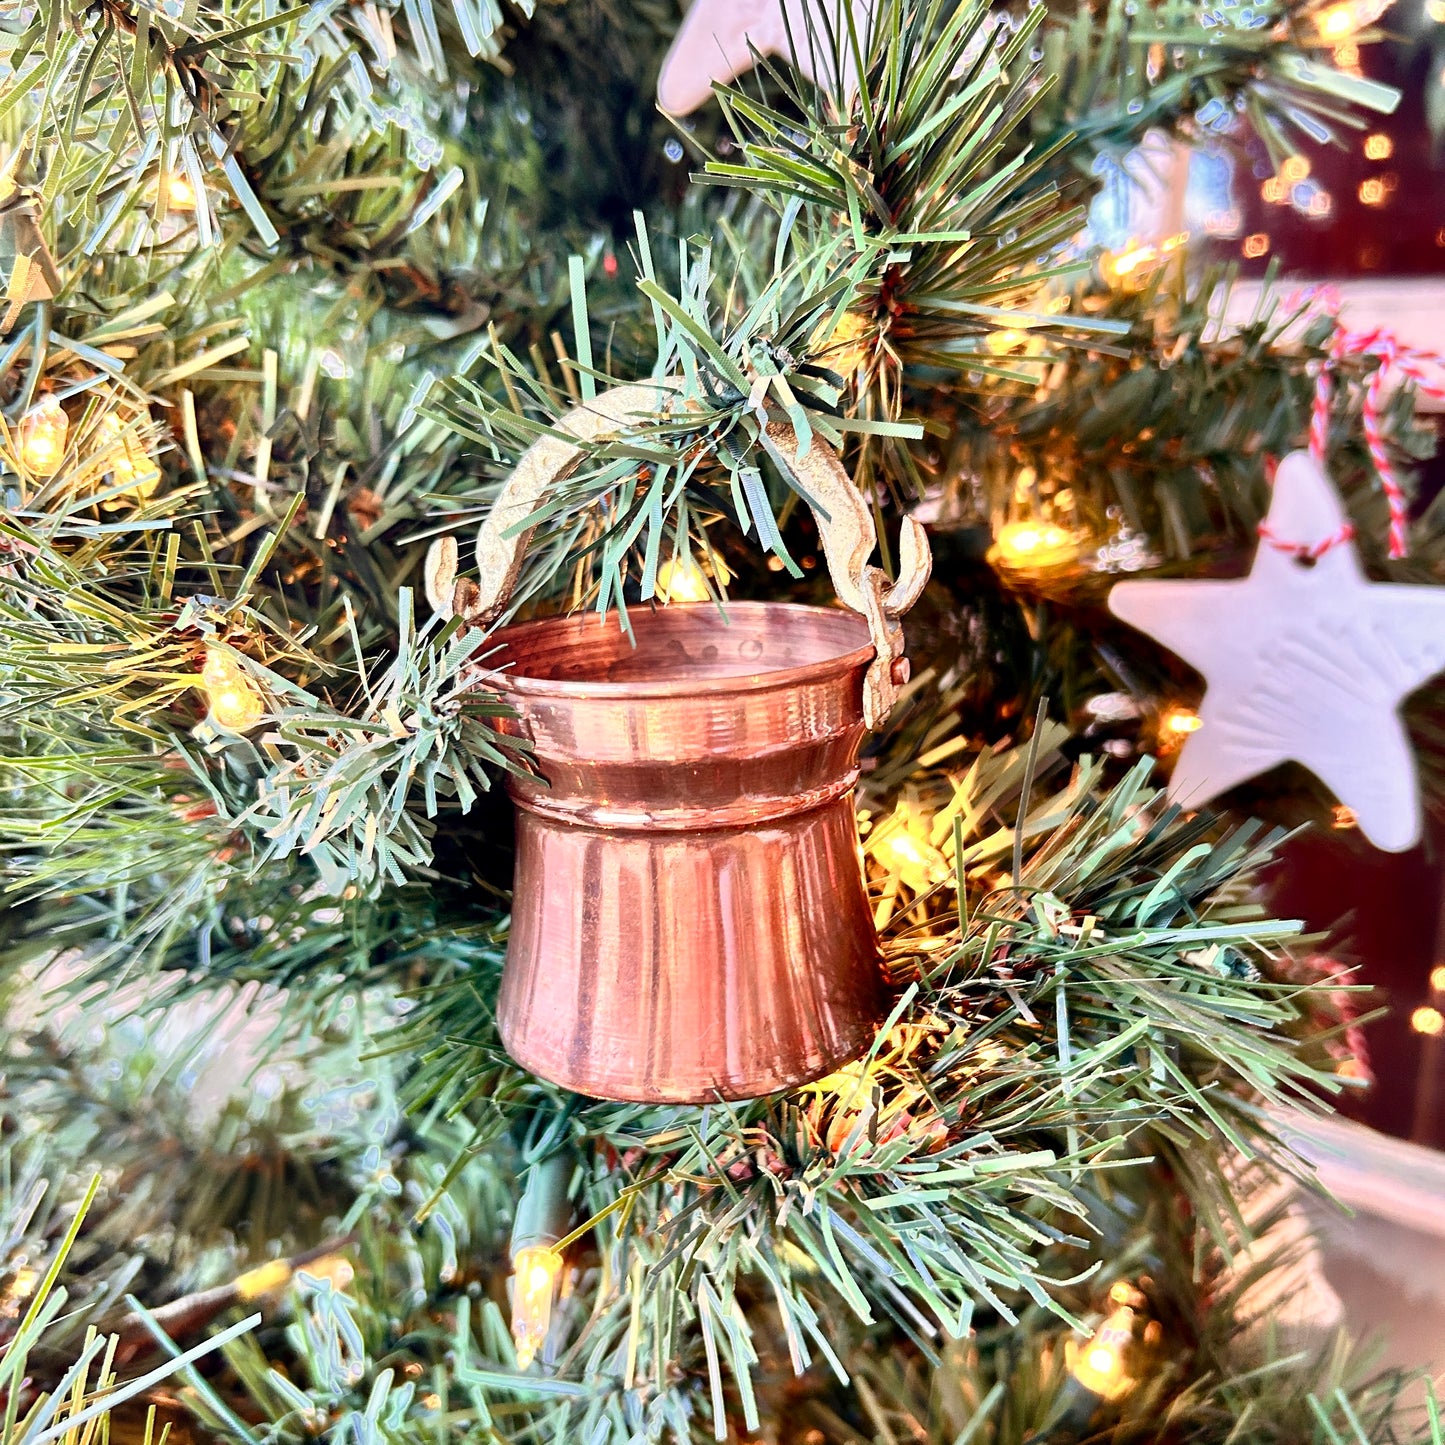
1304,549
1425,368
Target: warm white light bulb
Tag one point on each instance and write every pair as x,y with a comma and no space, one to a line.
905,850
1336,23
122,455
535,1270
235,701
1001,343
680,579
43,433
1428,1021
1181,721
1129,268
1035,544
1099,1365
180,194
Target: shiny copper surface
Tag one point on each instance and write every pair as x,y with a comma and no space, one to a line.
689,918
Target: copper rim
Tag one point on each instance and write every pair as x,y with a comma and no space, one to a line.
673,687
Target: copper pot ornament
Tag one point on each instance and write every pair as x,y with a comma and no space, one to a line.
689,916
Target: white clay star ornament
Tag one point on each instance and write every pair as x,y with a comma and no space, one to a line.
1306,661
712,44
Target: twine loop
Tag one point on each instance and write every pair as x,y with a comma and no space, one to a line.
1425,368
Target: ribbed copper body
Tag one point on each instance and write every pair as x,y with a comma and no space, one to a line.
689,918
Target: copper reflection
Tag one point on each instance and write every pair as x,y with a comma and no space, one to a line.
689,918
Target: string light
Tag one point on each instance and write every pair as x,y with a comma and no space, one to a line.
1179,722
43,433
1035,544
1256,245
543,1214
234,701
909,858
1001,343
902,846
1336,23
179,192
276,1274
534,1284
680,579
1128,266
22,1284
847,349
1294,170
129,464
1428,1021
1379,147
1437,978
1099,1364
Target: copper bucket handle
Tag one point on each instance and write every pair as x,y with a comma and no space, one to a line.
845,524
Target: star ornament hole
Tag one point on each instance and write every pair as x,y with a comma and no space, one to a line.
1306,560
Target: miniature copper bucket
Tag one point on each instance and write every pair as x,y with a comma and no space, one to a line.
689,918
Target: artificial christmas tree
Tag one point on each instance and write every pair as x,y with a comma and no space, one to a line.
292,294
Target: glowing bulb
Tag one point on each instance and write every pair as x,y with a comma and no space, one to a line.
1000,343
1099,1365
1437,978
1339,22
129,464
903,848
1256,245
1428,1021
180,194
234,700
1372,192
1294,169
680,579
1035,544
1379,147
534,1282
1343,817
1181,721
43,432
847,349
1119,266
